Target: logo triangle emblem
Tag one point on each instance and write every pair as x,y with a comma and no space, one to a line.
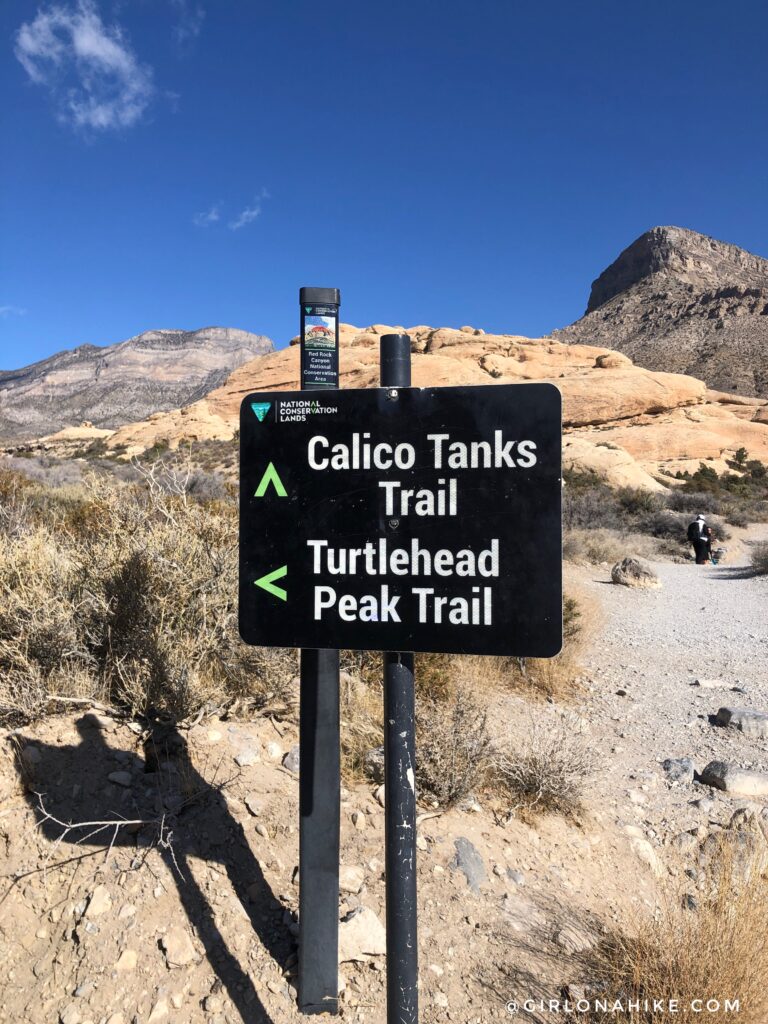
261,409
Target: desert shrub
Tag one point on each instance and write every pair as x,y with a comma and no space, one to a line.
205,486
595,547
45,469
589,503
549,769
737,517
636,501
454,746
693,502
668,525
760,558
715,949
130,591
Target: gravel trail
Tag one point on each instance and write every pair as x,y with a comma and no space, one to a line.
706,622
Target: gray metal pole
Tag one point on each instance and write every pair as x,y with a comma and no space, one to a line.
319,779
400,787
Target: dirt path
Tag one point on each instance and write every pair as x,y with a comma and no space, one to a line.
706,622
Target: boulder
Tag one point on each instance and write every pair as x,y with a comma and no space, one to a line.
732,779
678,769
752,723
631,572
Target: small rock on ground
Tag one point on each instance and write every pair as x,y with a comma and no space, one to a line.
470,863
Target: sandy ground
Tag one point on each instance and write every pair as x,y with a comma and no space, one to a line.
195,921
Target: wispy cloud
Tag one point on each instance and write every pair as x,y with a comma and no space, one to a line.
90,69
208,217
6,311
189,23
249,213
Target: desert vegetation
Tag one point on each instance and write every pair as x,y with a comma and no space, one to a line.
710,946
603,524
122,588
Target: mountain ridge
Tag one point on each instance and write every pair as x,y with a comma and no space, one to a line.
682,302
154,371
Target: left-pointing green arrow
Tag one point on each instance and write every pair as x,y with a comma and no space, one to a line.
268,582
271,477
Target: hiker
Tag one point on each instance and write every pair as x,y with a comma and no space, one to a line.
700,536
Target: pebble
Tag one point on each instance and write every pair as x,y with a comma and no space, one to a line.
373,762
274,750
70,1015
646,853
253,803
351,878
358,820
246,757
100,901
121,778
380,796
361,934
159,1011
127,960
292,759
262,830
440,999
178,948
469,862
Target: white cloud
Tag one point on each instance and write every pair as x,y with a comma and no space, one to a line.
249,213
89,68
6,311
189,24
204,220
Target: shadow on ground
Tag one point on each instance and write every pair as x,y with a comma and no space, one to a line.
69,782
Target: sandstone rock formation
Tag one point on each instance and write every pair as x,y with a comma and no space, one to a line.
155,371
632,426
679,301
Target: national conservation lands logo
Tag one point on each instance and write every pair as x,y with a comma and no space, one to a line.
261,409
295,410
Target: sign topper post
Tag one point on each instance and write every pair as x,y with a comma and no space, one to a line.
413,519
320,774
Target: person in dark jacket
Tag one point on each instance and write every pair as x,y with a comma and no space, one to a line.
700,536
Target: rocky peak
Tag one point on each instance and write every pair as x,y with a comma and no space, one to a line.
684,256
152,372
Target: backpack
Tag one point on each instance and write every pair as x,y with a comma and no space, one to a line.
693,532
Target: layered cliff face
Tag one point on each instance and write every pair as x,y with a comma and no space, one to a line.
681,302
632,426
152,372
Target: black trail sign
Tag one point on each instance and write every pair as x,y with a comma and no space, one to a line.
403,519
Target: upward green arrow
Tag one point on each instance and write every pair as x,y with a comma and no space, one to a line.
271,477
268,582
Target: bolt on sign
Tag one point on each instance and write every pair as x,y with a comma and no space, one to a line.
417,519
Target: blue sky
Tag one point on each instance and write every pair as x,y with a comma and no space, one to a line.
180,163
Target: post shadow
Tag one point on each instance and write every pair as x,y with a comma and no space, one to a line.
190,804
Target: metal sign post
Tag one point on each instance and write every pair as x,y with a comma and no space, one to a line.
399,774
393,519
320,772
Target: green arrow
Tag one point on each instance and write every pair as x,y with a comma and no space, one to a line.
271,477
268,582
307,309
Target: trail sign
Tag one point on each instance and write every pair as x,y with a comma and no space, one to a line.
403,519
